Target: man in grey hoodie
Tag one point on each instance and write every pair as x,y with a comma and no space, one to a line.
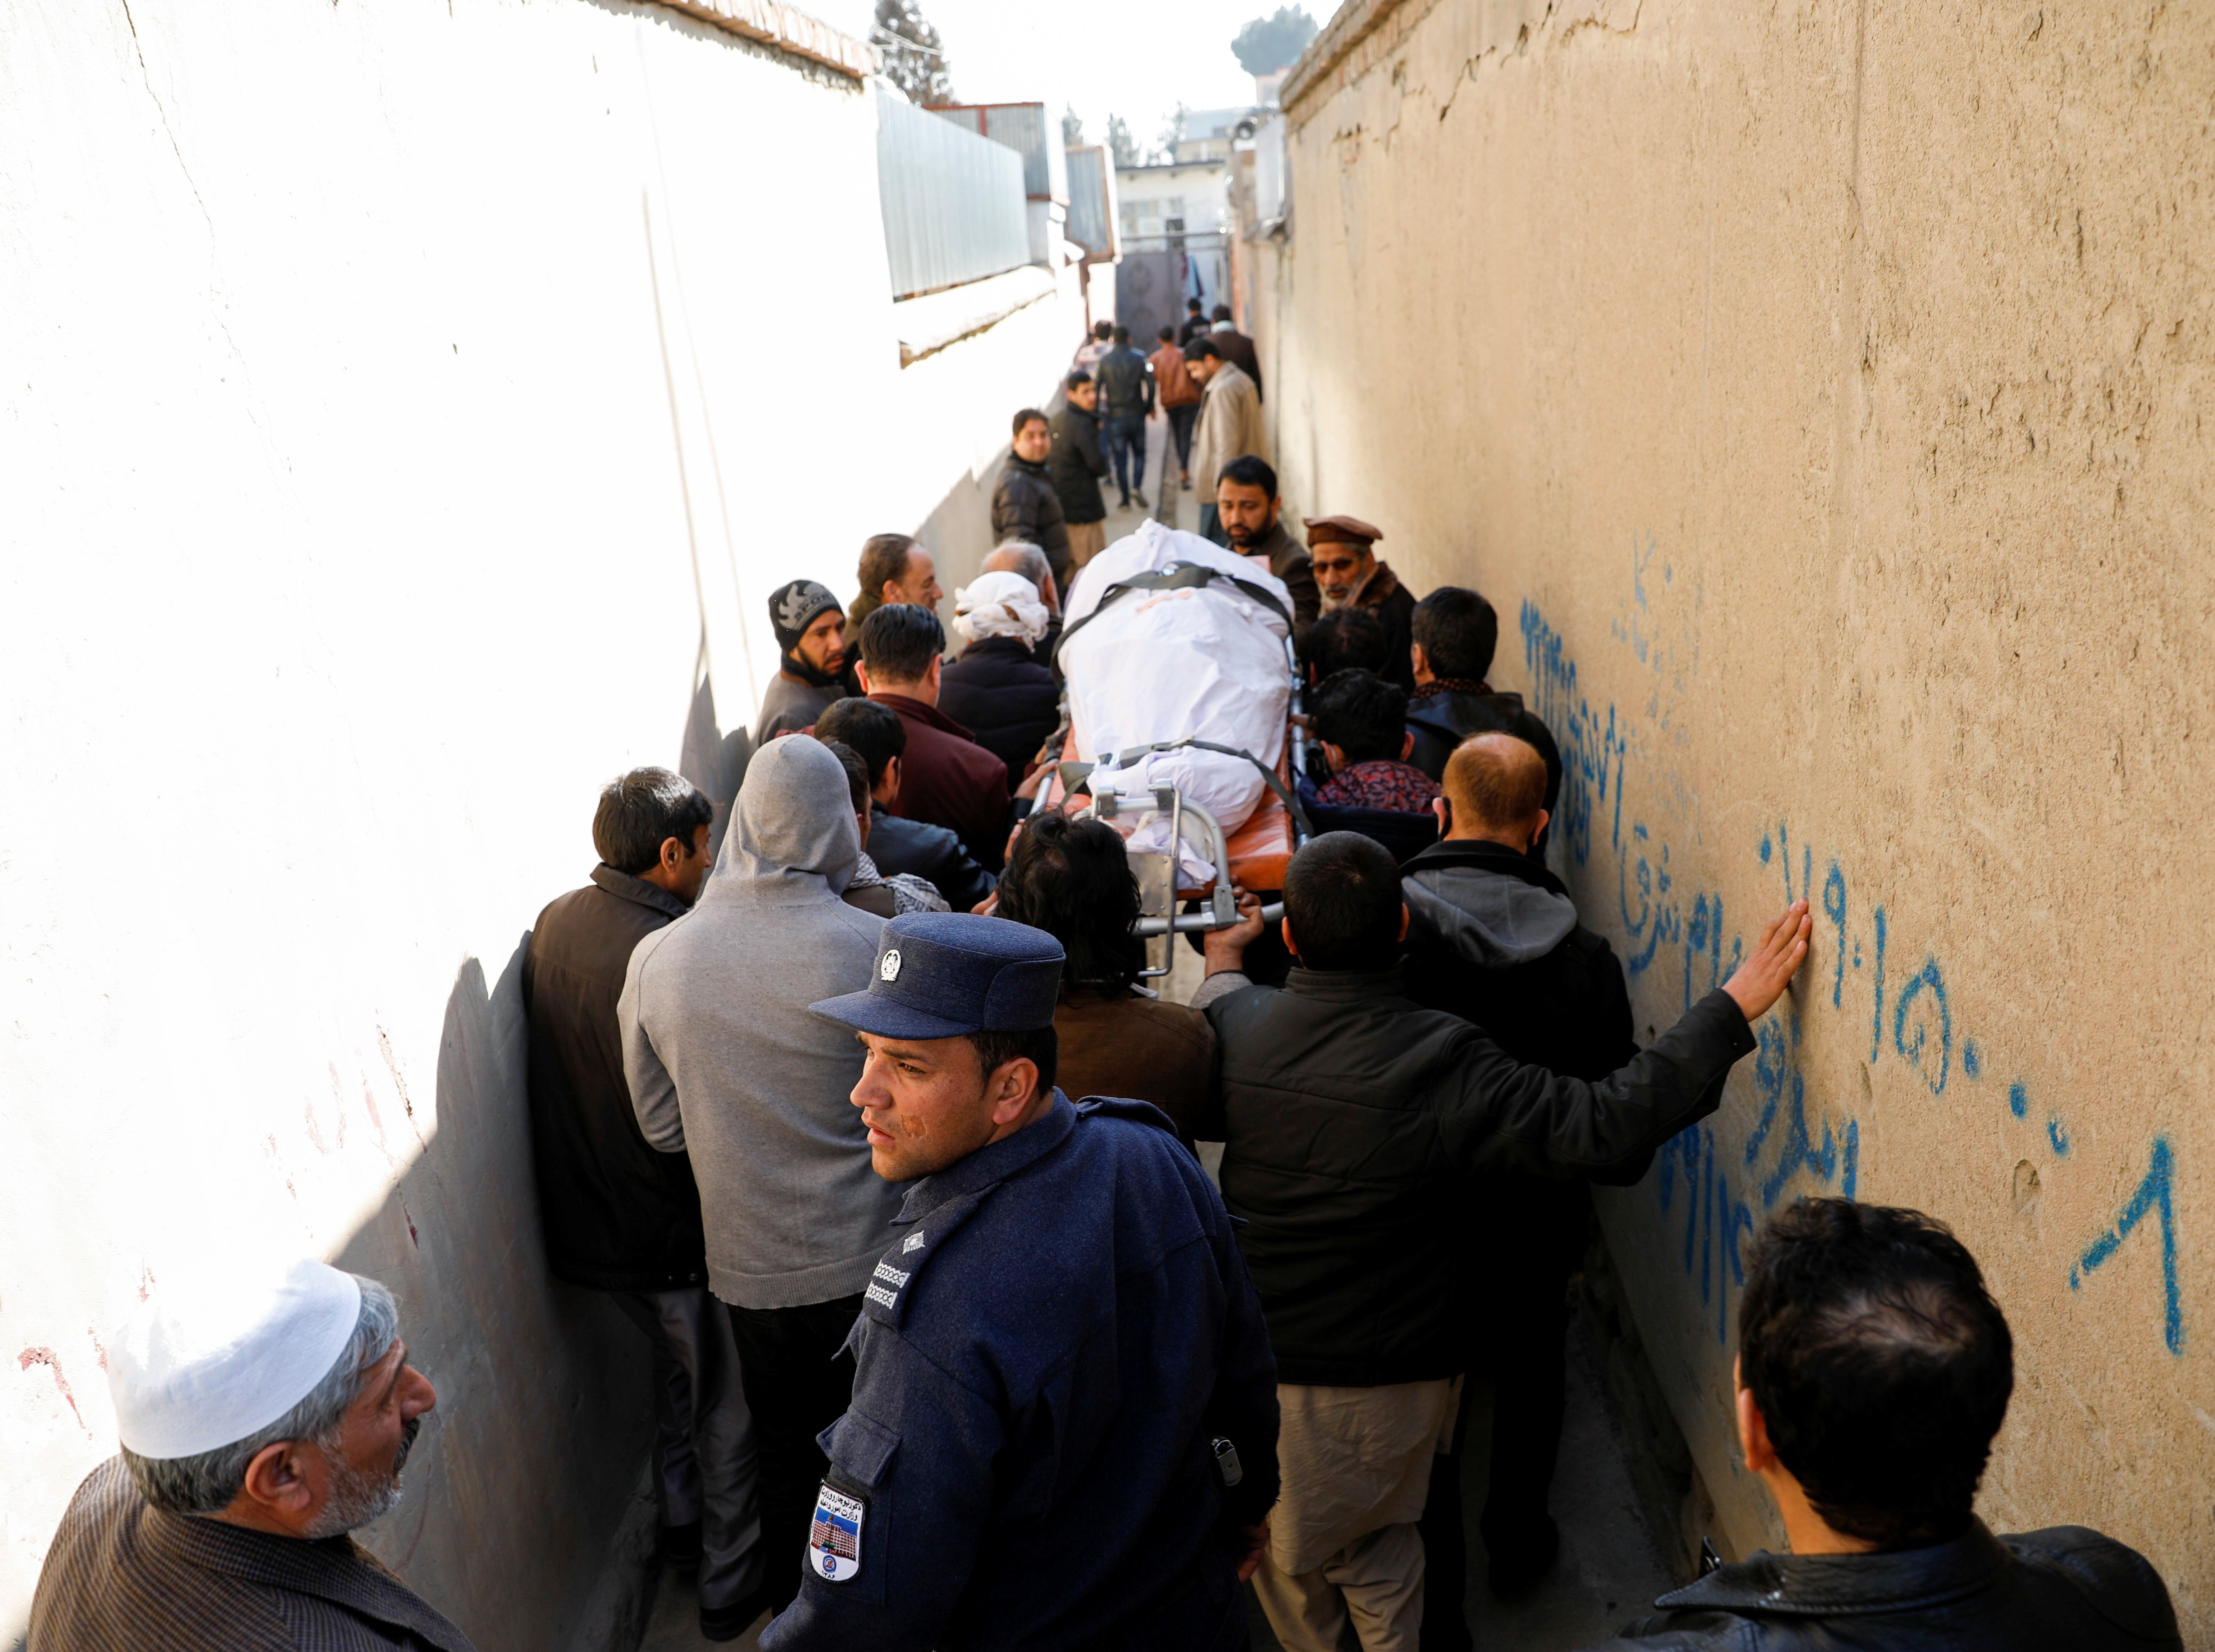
726,1063
1493,938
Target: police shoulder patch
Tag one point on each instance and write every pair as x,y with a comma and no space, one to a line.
834,1538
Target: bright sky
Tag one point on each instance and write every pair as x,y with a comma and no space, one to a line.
1138,58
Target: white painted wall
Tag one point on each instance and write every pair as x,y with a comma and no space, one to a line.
404,407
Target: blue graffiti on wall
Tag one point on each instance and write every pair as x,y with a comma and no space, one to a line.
1794,1143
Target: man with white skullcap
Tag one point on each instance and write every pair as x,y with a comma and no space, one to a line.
263,1415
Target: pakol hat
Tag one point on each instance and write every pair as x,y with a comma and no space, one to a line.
793,607
207,1361
1321,530
946,975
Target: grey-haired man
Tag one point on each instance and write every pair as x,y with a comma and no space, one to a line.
263,1415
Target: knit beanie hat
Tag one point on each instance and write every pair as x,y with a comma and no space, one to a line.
794,607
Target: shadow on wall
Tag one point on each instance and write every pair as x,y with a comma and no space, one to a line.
958,531
528,1519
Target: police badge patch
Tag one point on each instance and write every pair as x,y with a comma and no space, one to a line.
834,1541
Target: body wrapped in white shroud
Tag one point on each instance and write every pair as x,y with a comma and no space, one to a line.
1206,662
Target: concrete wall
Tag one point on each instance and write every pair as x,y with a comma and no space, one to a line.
407,411
1816,390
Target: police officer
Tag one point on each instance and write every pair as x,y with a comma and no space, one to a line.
1063,1436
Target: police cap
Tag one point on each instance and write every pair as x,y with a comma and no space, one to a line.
946,975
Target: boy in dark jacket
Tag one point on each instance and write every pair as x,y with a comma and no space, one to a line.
1874,1369
1492,937
622,1218
1077,465
1354,1120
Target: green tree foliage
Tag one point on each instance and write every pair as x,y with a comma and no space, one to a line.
1172,135
1121,144
915,58
1268,44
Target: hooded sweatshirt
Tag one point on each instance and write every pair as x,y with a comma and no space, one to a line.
726,1063
1492,937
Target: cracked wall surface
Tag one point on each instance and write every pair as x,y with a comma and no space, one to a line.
407,411
1819,391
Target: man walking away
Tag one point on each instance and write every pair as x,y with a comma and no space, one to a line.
947,778
874,733
1009,702
1076,466
1230,424
1874,1369
724,1062
1125,379
1492,937
1350,575
894,568
1196,322
1252,516
263,1414
621,1218
1026,509
1064,1429
1353,1119
811,642
1236,346
1180,401
1095,346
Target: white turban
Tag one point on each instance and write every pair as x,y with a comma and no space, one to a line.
211,1360
1000,604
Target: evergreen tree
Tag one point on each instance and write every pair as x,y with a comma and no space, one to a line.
914,60
1120,143
1268,44
1172,135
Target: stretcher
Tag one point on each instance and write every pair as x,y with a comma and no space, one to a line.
1180,850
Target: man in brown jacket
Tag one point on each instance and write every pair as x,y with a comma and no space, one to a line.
945,777
1349,575
1072,879
1229,423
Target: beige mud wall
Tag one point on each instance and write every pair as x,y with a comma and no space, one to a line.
407,411
1821,393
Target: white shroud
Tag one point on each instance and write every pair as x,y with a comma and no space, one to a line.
1207,663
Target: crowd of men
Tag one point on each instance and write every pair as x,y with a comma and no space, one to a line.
865,1117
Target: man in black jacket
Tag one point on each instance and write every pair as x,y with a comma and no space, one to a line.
622,1218
877,735
1492,937
1874,1369
1125,379
1077,465
1025,506
1354,1120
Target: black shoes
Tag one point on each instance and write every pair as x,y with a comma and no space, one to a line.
680,1549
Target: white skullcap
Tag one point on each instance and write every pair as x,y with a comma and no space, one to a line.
1000,604
209,1361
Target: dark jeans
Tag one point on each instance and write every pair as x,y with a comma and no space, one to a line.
1182,421
1539,1229
798,1383
704,1440
1125,436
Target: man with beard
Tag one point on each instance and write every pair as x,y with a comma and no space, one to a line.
1247,505
1343,550
811,634
264,1415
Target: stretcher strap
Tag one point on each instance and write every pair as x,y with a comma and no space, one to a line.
1177,576
1130,754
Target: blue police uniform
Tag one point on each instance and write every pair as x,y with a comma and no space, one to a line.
1045,1360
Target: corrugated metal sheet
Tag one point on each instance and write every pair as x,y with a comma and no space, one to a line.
1092,223
954,201
1027,129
